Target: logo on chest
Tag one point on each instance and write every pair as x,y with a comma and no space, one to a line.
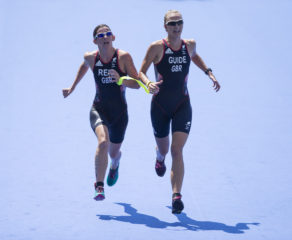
168,51
114,62
99,64
183,50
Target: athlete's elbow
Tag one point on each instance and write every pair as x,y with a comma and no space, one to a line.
136,86
133,85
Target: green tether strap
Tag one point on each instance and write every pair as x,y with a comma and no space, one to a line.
120,82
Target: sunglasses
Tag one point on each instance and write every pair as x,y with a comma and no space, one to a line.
173,23
101,35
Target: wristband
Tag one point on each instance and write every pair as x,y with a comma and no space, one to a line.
208,70
147,85
120,82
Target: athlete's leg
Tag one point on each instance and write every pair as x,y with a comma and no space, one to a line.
181,125
115,154
101,158
160,123
162,145
116,133
177,170
161,151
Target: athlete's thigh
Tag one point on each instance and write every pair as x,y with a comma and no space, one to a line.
160,121
101,131
96,118
118,128
98,125
182,118
179,139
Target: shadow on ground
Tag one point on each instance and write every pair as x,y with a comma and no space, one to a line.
184,221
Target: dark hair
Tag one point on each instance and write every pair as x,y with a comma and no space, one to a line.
98,27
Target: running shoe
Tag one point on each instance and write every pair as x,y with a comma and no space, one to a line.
112,176
99,193
160,168
177,204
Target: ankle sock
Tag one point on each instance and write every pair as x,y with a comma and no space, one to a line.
116,161
176,195
159,156
99,184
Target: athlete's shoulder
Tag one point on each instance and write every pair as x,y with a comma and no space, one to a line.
190,42
156,47
157,44
89,58
191,46
124,55
91,54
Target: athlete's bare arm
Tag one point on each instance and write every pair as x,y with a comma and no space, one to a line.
191,45
127,65
153,55
89,58
88,62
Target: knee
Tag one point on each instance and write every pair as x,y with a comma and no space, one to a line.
103,145
115,153
176,151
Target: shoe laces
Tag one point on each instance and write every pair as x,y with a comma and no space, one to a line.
99,189
176,196
159,164
112,173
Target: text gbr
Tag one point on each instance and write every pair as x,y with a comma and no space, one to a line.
177,61
105,76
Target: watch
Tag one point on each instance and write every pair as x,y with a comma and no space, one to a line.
208,70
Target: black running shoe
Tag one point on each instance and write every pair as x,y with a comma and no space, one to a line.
160,168
177,204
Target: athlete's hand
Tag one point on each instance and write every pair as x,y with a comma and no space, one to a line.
216,84
114,75
153,87
67,92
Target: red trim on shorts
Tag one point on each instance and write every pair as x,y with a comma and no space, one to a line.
181,102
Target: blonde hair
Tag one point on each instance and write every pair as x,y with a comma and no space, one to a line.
170,12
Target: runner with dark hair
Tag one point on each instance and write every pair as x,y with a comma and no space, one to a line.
108,115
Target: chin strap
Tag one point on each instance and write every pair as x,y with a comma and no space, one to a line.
120,82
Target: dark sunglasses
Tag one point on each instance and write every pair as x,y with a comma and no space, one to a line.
173,23
101,35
